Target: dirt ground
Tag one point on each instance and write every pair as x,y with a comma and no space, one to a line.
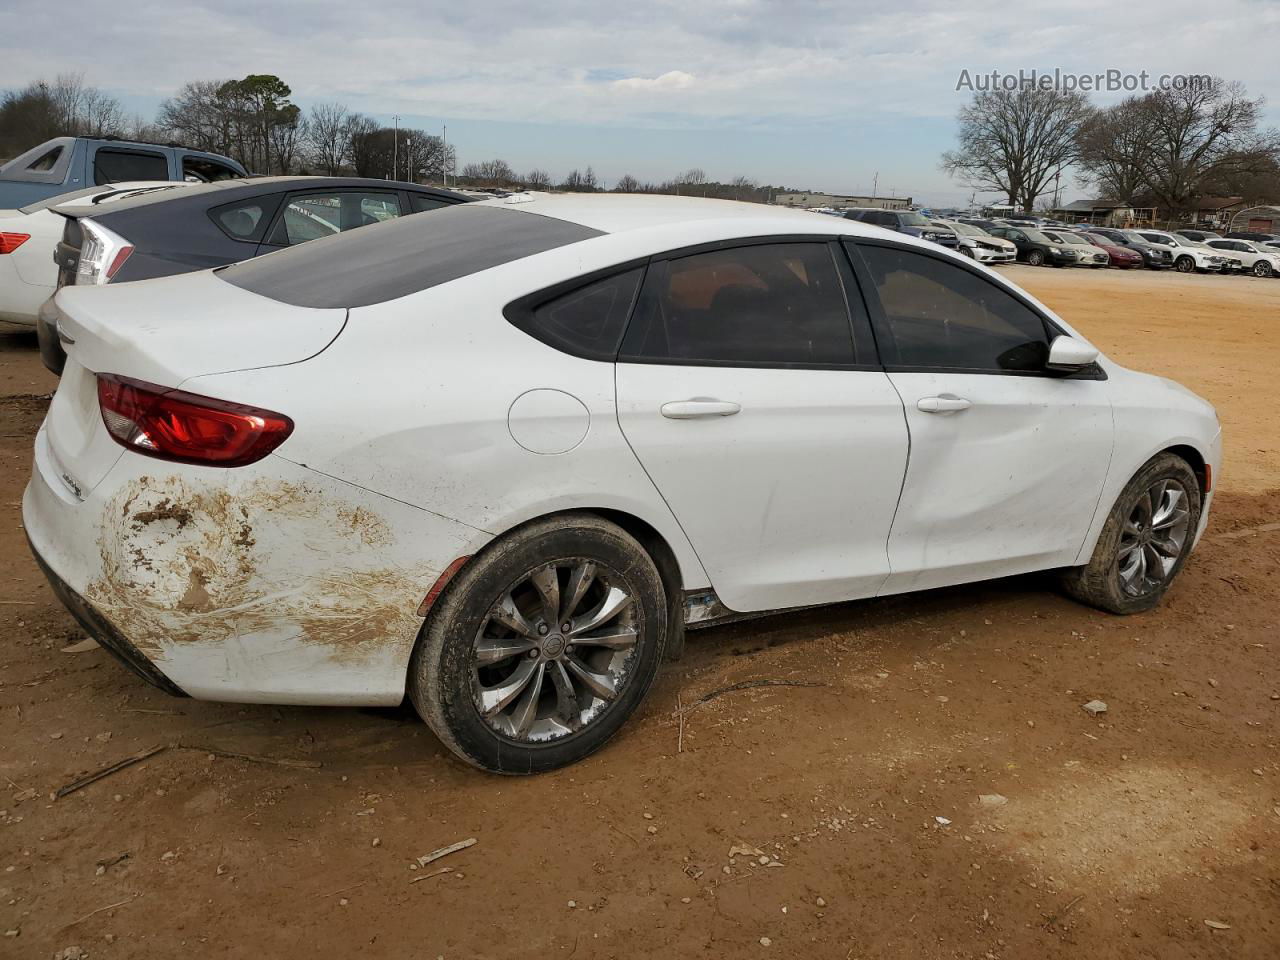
855,792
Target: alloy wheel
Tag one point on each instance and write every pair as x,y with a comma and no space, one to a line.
555,650
1154,535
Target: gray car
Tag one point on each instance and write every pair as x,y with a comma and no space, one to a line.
211,225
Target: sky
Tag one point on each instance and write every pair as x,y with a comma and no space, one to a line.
815,94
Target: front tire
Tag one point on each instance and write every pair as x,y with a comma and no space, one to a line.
1262,269
1185,265
1035,258
542,646
1145,541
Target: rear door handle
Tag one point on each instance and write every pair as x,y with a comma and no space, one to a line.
699,407
943,404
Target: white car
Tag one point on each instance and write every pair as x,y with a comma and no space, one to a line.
977,244
1257,258
28,236
500,456
1189,256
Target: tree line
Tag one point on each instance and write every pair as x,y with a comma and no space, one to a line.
255,121
1165,149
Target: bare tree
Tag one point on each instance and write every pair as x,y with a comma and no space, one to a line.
198,116
363,149
329,137
1113,150
537,180
1015,141
1198,133
65,107
627,184
589,182
573,182
744,188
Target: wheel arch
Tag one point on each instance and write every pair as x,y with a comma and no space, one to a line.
1195,459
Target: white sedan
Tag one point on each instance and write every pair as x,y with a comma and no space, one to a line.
28,236
501,456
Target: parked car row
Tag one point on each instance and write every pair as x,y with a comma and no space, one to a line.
309,448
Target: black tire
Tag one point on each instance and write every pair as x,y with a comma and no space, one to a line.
443,676
1035,258
1262,269
1098,582
1185,265
968,252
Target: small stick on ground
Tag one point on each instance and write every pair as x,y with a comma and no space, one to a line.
116,767
254,758
427,876
344,889
94,913
680,736
750,684
1052,918
445,851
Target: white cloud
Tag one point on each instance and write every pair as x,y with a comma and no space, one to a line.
671,80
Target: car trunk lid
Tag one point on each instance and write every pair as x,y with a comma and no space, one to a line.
163,332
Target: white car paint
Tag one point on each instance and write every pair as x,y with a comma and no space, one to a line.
28,276
427,426
1180,247
1249,254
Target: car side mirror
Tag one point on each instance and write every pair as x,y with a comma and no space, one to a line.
1067,355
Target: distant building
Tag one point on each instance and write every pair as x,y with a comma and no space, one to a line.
1109,213
1218,211
1255,220
840,201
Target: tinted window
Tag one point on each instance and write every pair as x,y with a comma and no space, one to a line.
420,202
45,161
764,303
587,322
114,166
315,215
206,170
941,315
363,267
240,221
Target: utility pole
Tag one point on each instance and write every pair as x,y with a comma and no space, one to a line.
444,160
875,182
395,148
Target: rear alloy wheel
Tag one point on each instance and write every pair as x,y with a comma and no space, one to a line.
1262,269
542,645
1035,258
1185,265
1145,540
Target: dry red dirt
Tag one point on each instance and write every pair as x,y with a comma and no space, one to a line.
1120,836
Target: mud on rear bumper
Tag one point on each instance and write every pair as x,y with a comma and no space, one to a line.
102,630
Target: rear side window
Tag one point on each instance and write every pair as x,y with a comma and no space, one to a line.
762,304
587,321
940,315
115,166
241,221
45,161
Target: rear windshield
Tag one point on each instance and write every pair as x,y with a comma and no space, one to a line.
400,257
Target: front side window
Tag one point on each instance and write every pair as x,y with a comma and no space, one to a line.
117,166
206,170
315,215
768,303
939,315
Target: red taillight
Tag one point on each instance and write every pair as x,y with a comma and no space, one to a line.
118,260
10,242
186,427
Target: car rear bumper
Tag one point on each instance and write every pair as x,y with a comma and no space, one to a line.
270,583
104,631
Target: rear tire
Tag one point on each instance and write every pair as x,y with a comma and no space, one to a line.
517,693
1141,533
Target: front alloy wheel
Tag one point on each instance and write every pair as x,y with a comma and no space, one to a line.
1185,265
1153,538
1145,540
1262,269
